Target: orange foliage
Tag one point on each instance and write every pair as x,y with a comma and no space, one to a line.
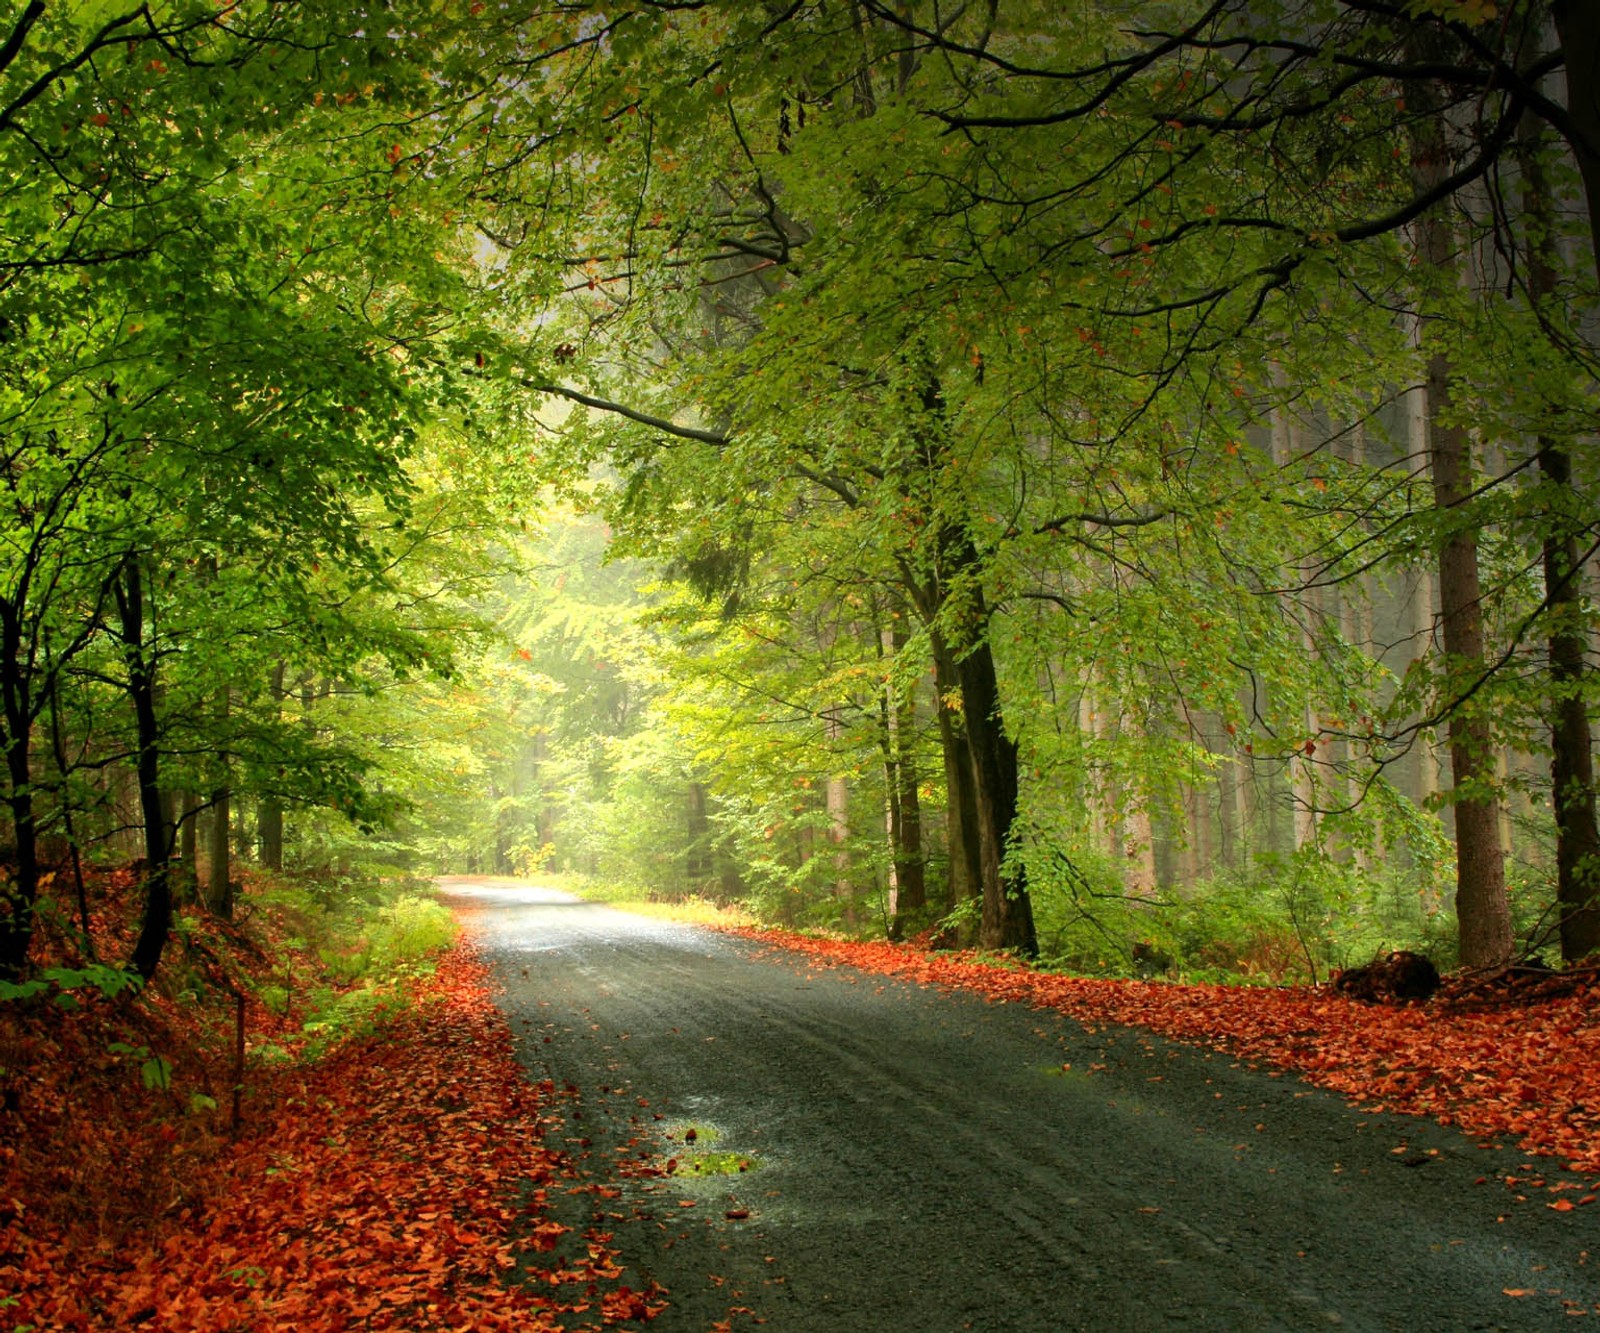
396,1184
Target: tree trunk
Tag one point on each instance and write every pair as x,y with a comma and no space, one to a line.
269,815
961,810
837,800
1300,605
1133,833
1571,741
17,899
908,885
697,861
944,583
58,745
189,839
156,925
1578,26
1483,914
219,881
987,760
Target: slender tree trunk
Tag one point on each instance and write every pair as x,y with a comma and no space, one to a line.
1483,914
908,886
18,898
156,925
697,863
269,815
837,801
219,887
189,842
1571,740
1578,26
58,745
1572,782
961,809
1134,834
1288,445
219,858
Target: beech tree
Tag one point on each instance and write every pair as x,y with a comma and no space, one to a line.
213,380
1192,258
1032,384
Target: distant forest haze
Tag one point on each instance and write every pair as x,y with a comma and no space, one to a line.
1110,481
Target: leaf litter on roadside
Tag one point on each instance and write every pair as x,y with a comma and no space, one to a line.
397,1183
1527,1071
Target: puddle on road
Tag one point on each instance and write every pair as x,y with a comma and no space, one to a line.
693,1157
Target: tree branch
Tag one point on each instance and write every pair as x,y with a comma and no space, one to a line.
623,410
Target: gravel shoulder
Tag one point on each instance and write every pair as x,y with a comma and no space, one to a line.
922,1160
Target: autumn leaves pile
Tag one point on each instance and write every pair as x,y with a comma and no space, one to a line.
403,1180
1494,1062
397,1183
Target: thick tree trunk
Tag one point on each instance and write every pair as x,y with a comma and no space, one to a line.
1483,913
984,763
980,758
156,926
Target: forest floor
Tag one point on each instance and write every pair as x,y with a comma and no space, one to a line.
711,1131
390,1170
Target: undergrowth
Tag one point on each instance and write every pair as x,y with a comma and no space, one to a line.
116,1097
691,908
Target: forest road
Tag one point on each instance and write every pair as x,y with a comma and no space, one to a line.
924,1162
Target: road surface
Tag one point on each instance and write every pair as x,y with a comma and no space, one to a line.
923,1161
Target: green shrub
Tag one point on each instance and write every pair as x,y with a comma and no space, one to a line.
339,1016
409,930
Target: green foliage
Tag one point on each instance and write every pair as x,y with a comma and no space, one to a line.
336,1016
363,929
984,337
155,1071
108,982
1290,920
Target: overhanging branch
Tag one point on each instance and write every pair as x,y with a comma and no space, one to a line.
623,410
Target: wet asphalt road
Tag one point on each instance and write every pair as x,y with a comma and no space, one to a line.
920,1160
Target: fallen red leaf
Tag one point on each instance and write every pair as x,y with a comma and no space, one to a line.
1524,1070
392,1184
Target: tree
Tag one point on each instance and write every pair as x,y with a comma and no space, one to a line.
210,376
1215,254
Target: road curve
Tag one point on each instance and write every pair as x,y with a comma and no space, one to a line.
924,1161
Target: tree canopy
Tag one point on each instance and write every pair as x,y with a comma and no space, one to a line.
1068,476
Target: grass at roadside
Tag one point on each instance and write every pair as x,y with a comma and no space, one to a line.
692,909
